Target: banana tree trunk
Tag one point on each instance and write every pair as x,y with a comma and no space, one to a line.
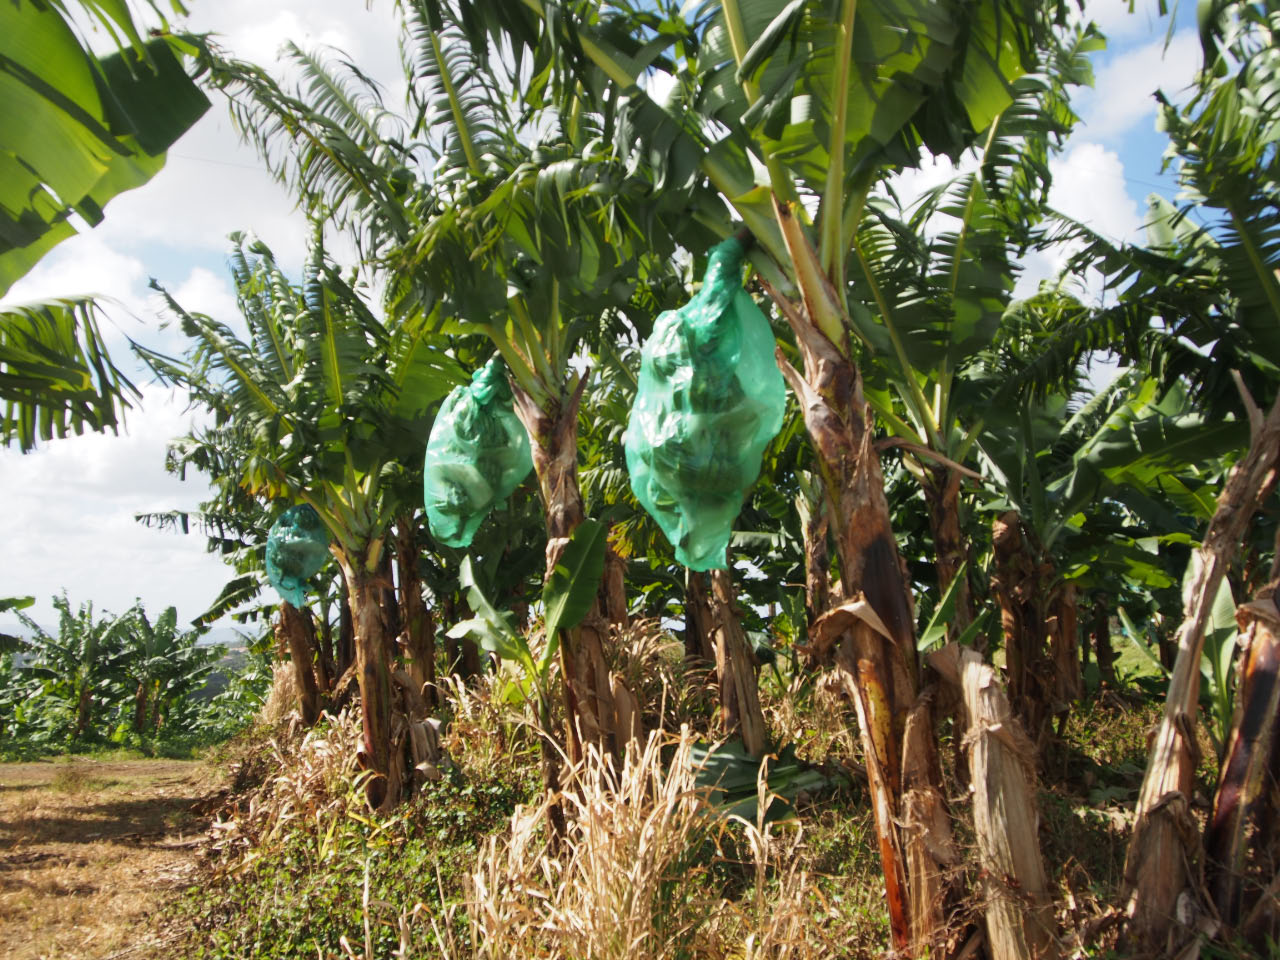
740,711
373,673
292,631
1017,896
1103,651
1159,865
157,709
1017,586
613,588
598,710
419,640
1251,747
942,497
140,707
326,675
390,603
1242,784
346,630
1064,648
817,561
879,669
84,711
699,625
462,656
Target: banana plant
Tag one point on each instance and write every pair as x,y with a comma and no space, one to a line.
568,595
330,399
934,284
487,221
80,665
163,663
1222,143
778,102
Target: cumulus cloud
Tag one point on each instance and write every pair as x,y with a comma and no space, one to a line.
1122,97
1089,186
68,519
84,264
206,292
1114,19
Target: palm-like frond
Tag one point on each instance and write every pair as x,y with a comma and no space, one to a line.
1225,144
56,377
454,86
330,140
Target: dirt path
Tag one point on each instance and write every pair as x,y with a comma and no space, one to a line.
89,849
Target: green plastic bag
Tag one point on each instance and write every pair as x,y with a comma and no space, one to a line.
709,401
478,453
297,549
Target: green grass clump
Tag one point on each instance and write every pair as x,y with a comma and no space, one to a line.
302,896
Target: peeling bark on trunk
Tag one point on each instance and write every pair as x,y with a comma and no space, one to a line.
879,671
1017,586
1163,846
292,630
927,842
1017,896
373,673
740,711
817,560
1242,784
346,630
591,708
1064,648
699,625
942,495
418,635
613,588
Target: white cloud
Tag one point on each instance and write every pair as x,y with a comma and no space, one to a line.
206,292
1089,186
1114,19
68,519
211,185
1122,96
84,264
914,182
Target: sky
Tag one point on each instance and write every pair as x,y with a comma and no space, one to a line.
67,520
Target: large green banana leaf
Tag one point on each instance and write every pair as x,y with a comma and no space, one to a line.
75,129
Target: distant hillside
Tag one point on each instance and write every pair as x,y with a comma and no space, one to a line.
222,636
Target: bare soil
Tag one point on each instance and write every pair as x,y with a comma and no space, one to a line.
90,849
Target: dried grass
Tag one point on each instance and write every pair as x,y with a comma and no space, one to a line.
89,850
673,692
813,714
634,877
282,698
490,720
315,782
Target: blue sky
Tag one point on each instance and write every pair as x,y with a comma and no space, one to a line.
68,510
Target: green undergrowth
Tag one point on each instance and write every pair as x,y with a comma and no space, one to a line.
357,876
301,896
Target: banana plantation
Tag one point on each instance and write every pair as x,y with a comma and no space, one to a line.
677,538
